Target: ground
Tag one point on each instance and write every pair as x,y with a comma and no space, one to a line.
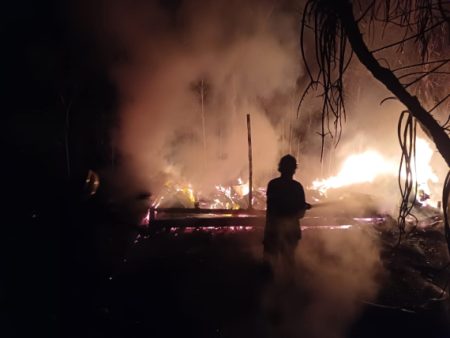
348,283
96,277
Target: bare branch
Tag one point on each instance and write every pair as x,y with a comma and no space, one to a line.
419,64
424,75
305,92
302,43
440,102
408,38
388,98
371,5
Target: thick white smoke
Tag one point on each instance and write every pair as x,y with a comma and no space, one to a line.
189,77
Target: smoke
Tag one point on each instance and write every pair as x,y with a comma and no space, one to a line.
188,73
371,126
338,271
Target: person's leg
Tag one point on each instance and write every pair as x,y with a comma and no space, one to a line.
269,261
290,256
287,264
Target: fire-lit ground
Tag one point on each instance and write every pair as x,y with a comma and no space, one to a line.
182,273
191,271
349,282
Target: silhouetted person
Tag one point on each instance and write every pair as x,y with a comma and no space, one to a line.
285,206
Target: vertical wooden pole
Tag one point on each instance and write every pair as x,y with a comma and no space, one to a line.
250,164
202,102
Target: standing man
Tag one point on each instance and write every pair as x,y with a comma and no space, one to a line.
285,206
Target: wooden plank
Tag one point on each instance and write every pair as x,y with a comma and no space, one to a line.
254,212
206,222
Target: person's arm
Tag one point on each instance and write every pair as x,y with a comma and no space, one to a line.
269,198
302,202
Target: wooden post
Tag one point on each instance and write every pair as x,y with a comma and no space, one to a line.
202,102
250,164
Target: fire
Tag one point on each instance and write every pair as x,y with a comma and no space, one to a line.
423,171
367,166
357,168
182,194
242,188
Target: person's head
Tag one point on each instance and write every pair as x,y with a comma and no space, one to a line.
287,165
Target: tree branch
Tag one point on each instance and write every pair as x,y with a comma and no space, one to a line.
385,76
406,39
419,64
424,75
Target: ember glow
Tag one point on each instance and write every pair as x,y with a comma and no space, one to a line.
359,168
183,193
242,188
223,196
214,229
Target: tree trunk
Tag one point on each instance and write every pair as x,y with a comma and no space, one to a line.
385,76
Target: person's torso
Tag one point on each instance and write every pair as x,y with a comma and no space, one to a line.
285,198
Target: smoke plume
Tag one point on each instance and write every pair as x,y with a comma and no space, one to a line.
188,74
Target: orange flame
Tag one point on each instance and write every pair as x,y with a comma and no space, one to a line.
367,166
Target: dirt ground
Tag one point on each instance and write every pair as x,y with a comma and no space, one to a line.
95,277
347,283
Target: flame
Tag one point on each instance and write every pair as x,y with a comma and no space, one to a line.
367,166
357,168
423,171
242,188
230,196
